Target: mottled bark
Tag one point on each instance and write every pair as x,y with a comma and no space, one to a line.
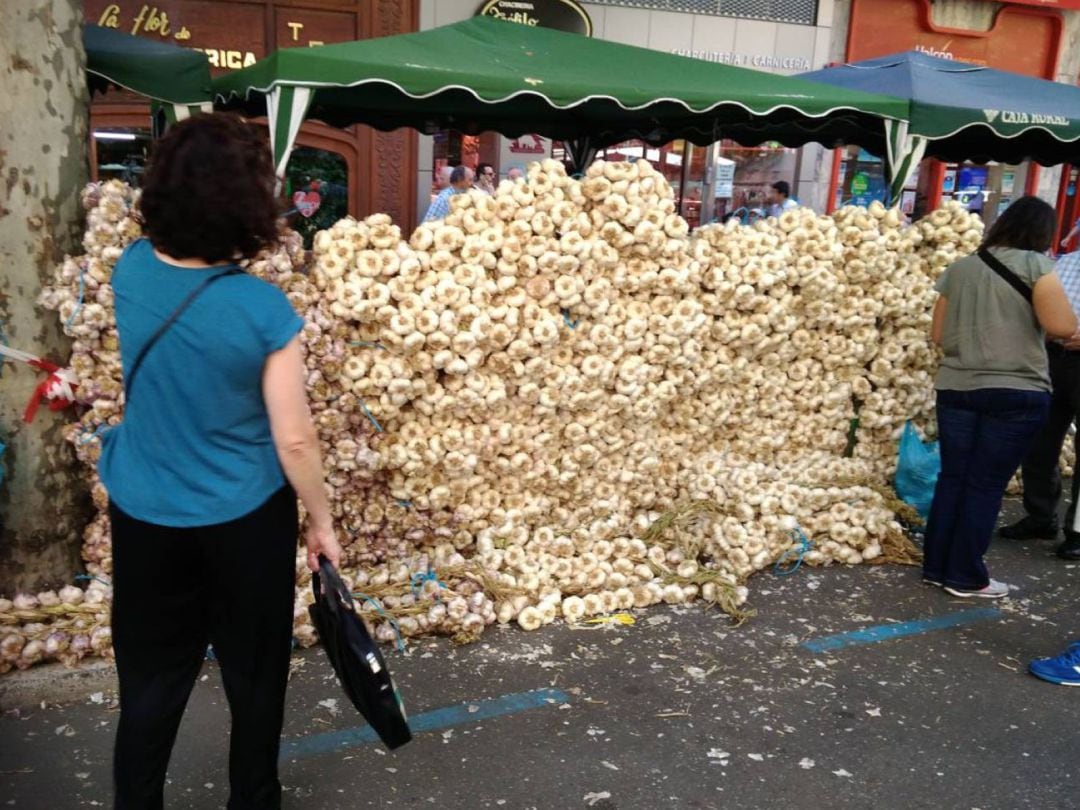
43,166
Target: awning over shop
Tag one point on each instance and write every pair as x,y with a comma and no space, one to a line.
483,74
176,78
963,112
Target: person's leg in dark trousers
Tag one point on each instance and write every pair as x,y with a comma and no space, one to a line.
253,570
958,425
1008,422
1040,471
159,632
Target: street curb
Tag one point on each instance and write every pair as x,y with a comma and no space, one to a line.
55,683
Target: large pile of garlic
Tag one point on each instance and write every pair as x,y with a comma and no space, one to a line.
558,402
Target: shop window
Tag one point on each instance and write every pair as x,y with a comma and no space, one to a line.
120,154
790,11
985,189
316,189
862,179
748,173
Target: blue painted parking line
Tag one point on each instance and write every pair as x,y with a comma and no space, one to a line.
470,712
884,632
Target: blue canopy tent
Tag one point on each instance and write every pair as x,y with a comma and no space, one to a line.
964,112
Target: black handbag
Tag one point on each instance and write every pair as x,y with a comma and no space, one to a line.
355,657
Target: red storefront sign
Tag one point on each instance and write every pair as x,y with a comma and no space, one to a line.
1022,39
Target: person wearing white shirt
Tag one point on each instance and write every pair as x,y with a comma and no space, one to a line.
780,198
1041,475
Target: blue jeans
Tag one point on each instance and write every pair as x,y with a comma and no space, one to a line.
984,435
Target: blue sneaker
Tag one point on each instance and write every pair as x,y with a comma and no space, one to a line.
1063,670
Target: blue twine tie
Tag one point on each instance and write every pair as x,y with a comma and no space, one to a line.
79,300
370,417
418,581
87,436
567,321
805,544
88,578
379,609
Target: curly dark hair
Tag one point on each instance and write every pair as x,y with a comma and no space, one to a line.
1027,224
208,192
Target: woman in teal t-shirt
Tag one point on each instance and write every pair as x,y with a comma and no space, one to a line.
204,472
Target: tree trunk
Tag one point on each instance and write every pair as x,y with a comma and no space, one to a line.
43,165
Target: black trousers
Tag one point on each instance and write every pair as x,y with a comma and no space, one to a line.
1040,471
175,591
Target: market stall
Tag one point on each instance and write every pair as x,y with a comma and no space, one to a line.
485,75
959,111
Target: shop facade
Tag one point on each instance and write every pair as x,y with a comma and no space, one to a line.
1039,39
780,37
333,171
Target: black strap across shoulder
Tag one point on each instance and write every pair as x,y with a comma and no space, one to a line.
1004,272
129,379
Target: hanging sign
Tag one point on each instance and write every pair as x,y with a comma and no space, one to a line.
307,203
528,145
562,15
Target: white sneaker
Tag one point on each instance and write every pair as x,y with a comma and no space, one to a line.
995,590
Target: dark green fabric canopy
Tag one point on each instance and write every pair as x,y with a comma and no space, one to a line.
483,74
164,73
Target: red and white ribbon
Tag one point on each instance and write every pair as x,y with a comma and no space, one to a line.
57,389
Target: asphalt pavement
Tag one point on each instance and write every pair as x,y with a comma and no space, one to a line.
851,688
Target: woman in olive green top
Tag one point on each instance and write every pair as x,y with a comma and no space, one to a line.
993,387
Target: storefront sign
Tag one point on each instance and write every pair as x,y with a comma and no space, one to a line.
754,60
232,35
563,15
1022,39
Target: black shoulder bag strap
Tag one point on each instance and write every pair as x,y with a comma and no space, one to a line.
161,330
1004,272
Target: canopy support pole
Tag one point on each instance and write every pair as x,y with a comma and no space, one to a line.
164,115
904,152
286,107
581,152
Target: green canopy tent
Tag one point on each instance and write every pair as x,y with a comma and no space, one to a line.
483,74
959,112
176,79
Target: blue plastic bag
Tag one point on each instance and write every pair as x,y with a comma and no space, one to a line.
917,470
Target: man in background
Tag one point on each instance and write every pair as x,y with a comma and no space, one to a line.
514,173
461,180
1040,471
442,179
485,178
780,198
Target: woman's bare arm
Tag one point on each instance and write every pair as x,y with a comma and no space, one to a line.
297,446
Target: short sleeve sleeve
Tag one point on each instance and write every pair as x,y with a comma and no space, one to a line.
944,282
278,321
1039,265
